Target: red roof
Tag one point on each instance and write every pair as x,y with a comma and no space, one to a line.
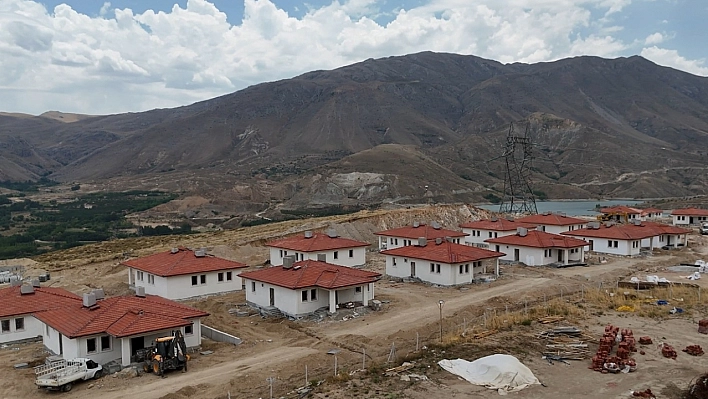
667,228
423,230
312,273
551,219
621,209
539,239
182,262
497,225
318,242
690,212
43,298
628,231
121,316
445,252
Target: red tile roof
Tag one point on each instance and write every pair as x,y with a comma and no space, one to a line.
667,228
12,303
690,212
121,316
312,273
621,209
539,239
445,252
318,242
617,232
551,219
497,225
423,230
167,264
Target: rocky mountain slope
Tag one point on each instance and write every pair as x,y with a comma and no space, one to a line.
421,127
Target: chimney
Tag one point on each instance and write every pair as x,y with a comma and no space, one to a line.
308,234
494,219
448,239
200,253
139,292
522,231
98,293
26,290
416,224
15,282
322,257
435,225
35,283
288,262
332,233
422,241
90,299
637,222
174,250
438,241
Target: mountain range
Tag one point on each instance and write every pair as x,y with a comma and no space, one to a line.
421,127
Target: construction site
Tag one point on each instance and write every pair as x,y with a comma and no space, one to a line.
555,321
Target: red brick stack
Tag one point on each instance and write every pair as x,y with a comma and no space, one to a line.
645,340
703,326
602,359
668,351
694,350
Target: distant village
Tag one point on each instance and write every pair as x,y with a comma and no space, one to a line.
317,271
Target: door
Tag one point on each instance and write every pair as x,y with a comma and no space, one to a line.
591,245
136,344
690,220
61,344
272,297
497,248
412,269
516,255
560,256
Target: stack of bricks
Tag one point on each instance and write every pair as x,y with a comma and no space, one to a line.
668,351
645,340
694,350
622,358
703,326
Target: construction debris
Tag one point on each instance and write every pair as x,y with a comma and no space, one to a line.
694,350
550,319
403,367
668,351
484,334
621,362
645,340
647,393
703,326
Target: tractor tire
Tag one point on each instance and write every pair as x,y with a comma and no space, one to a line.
147,367
66,387
156,367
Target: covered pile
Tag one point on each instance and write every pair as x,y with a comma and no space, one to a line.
505,373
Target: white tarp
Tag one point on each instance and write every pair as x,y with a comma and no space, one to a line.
505,373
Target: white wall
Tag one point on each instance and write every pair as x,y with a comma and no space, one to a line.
624,247
32,329
350,294
559,229
180,287
358,257
473,238
534,256
286,300
398,242
686,220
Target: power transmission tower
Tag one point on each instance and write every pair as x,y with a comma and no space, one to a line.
518,155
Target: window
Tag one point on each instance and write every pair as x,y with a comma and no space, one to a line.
467,268
189,330
351,253
496,234
396,240
220,277
297,256
19,324
253,286
390,240
5,326
490,234
202,279
615,244
462,268
394,261
46,328
405,260
313,294
91,345
432,268
194,280
151,279
281,253
303,294
105,343
357,289
336,254
229,276
140,276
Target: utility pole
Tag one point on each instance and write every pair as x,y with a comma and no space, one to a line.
270,385
518,156
440,304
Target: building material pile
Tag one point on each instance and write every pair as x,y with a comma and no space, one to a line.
668,351
565,343
647,393
703,326
694,350
621,361
645,340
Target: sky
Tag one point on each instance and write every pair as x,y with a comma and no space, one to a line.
95,57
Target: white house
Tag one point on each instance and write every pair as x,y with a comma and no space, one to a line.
409,235
617,239
666,236
115,328
537,248
652,213
621,213
330,247
553,222
300,288
441,262
20,304
689,216
184,273
480,230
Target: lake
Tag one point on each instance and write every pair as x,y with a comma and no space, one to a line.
570,208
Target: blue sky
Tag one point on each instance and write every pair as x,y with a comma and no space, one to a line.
99,57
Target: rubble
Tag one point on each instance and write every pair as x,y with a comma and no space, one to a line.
693,350
703,326
645,340
647,393
668,351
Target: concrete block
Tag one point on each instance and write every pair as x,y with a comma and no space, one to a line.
19,366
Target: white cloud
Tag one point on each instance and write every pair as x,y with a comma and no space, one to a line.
654,38
125,61
671,58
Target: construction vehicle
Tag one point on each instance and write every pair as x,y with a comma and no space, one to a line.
622,217
169,353
62,374
704,228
